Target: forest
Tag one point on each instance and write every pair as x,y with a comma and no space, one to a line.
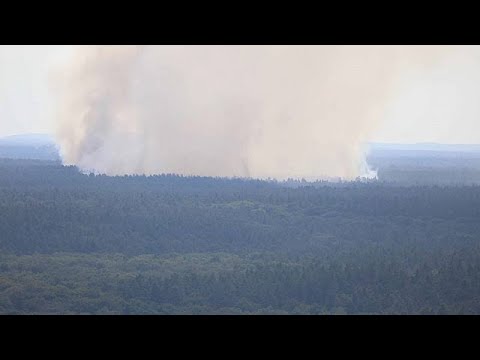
74,243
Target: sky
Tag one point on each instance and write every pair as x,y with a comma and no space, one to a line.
441,104
26,105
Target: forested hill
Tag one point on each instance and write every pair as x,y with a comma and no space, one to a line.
75,243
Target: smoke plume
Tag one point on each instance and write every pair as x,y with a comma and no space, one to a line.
248,111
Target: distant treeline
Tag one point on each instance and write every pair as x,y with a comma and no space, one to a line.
426,168
424,164
41,152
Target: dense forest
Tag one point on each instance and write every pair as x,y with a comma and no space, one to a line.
169,244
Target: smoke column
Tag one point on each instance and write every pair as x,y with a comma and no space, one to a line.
248,111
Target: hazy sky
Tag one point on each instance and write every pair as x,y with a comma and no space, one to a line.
441,104
25,102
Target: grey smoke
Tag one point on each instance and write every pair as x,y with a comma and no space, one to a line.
249,111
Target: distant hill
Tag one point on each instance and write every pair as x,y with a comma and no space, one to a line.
29,146
432,147
27,140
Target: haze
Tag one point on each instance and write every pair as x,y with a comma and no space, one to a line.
238,111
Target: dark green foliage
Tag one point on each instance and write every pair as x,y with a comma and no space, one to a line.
74,243
225,283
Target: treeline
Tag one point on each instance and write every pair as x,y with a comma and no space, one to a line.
448,169
42,152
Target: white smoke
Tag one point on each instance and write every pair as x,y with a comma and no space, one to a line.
249,111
